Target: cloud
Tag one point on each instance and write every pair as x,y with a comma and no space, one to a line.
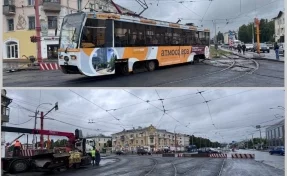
234,112
221,11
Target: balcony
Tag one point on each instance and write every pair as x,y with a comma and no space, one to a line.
52,5
5,114
9,7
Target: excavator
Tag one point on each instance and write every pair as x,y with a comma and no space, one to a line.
49,160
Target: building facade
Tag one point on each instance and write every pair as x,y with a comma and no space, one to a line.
101,141
5,101
279,22
149,138
275,134
19,24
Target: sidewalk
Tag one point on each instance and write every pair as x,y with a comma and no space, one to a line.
23,64
262,56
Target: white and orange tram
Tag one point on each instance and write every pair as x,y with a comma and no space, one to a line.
97,44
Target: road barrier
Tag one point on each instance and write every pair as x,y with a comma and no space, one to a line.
196,155
168,155
217,155
241,155
180,155
32,152
49,66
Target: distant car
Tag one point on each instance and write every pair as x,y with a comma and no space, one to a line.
278,150
249,47
120,152
143,152
281,49
263,47
207,150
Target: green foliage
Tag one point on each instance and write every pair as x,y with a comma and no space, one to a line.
202,142
109,143
220,37
266,32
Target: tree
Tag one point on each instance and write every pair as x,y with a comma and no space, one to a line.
220,37
266,31
109,143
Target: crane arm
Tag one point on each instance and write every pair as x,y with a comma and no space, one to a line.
70,136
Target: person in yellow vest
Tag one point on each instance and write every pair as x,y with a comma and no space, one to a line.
93,153
17,148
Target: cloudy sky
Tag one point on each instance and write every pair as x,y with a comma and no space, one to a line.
228,115
202,12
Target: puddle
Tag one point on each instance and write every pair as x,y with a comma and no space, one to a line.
106,161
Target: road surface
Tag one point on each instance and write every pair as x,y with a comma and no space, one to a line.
269,74
276,161
179,166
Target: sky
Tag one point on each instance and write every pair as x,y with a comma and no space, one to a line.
229,114
202,12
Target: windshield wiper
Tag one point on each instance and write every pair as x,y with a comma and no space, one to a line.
66,50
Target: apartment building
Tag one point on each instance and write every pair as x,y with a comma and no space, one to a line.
102,141
5,101
19,24
279,27
275,134
149,138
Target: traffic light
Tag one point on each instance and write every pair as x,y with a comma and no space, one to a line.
56,106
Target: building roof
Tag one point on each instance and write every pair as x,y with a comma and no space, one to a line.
274,125
279,15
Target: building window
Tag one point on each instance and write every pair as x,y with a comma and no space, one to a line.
31,2
52,22
31,22
12,50
10,24
141,141
151,140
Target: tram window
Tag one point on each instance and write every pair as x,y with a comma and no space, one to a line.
175,37
168,36
93,34
150,35
123,34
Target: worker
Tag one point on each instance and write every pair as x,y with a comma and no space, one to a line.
93,153
98,158
17,148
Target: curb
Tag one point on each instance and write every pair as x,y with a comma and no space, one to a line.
274,60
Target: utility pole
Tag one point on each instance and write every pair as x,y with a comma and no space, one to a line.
38,30
252,33
175,143
260,138
35,124
253,141
42,127
257,23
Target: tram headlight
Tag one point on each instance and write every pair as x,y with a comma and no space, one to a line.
66,58
73,57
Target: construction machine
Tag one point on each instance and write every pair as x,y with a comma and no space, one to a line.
75,156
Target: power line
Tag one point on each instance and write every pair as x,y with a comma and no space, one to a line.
97,106
21,123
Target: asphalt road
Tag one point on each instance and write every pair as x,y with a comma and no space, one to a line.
276,161
269,74
155,165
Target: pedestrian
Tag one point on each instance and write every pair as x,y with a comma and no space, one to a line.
98,158
239,48
93,153
243,48
17,148
276,48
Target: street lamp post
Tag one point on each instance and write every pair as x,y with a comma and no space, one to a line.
175,139
35,122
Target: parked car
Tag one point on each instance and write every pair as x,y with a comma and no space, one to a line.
120,152
249,47
278,150
281,48
263,47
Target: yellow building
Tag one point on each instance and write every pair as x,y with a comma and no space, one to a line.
149,138
19,25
